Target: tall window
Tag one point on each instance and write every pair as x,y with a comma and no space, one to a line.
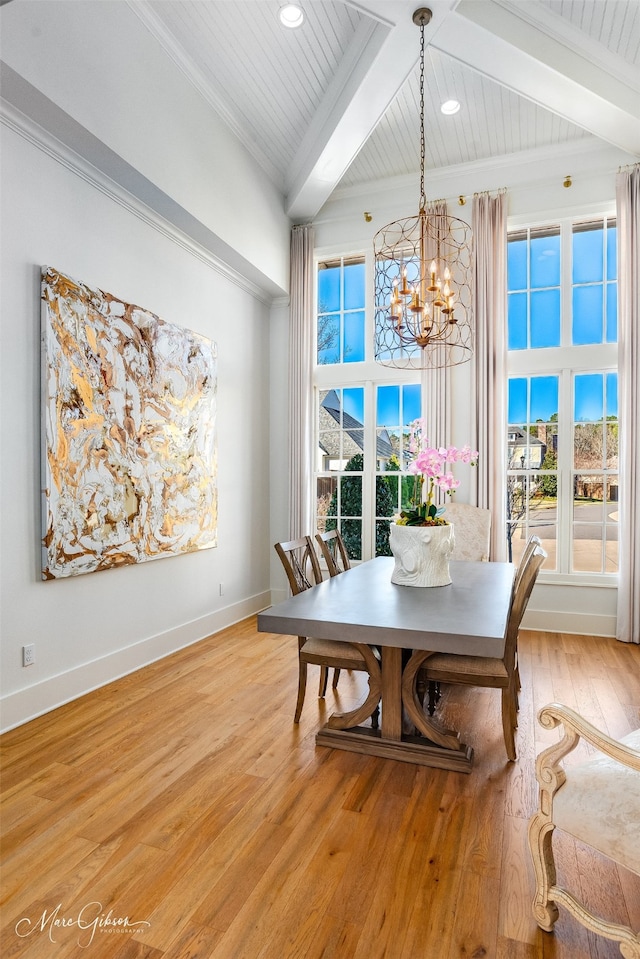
396,408
341,317
562,432
341,465
363,415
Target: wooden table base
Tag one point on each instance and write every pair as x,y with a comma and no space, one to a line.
409,749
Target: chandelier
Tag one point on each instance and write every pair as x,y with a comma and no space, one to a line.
423,277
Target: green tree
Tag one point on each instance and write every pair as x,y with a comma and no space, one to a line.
351,507
549,484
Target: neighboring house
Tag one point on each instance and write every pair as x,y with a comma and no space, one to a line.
332,456
525,452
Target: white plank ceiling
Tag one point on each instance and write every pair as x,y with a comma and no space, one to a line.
334,103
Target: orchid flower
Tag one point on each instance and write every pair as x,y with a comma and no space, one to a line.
429,463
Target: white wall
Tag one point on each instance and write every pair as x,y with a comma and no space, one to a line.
90,629
94,76
278,467
534,184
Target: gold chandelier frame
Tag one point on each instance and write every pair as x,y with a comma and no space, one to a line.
423,277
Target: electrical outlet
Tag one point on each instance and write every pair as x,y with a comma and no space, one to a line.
28,655
222,589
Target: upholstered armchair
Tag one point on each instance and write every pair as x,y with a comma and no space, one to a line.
472,527
597,802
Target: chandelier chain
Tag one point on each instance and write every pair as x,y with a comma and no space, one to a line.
423,276
423,198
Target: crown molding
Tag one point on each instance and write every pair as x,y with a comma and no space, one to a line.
31,131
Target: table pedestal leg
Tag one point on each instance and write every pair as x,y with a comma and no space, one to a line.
443,748
358,715
427,725
391,693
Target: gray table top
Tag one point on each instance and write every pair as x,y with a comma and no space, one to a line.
362,605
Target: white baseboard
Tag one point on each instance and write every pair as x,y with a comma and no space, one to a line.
581,624
26,704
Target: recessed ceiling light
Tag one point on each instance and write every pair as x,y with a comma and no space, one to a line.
291,15
449,107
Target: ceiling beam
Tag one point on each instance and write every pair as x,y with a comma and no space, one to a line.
383,55
522,49
501,45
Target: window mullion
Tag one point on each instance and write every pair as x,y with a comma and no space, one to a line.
369,478
565,471
565,411
566,279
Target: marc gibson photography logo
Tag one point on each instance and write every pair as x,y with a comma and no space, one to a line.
89,920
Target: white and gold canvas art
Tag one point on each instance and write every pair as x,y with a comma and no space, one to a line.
129,432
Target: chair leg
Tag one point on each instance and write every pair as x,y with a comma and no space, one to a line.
324,676
545,911
302,686
508,721
336,677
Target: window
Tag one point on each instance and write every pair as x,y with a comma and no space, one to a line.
341,465
562,434
341,317
594,307
353,485
533,277
363,413
532,483
595,473
396,408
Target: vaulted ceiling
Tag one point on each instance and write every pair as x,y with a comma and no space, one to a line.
335,103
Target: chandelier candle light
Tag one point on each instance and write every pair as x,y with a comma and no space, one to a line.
423,277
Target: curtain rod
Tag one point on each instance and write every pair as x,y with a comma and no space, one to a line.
463,197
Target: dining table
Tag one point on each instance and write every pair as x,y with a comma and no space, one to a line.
407,624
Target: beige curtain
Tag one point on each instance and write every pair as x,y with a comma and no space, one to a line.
436,384
301,382
489,373
628,229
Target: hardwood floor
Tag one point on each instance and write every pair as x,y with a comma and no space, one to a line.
184,797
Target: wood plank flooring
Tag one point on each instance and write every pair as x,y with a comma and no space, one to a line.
183,797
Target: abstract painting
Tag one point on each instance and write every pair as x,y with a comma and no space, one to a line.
129,433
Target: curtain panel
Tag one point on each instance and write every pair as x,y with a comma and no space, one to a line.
301,382
489,364
628,230
436,383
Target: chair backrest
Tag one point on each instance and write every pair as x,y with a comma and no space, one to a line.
529,549
334,552
520,601
472,528
300,562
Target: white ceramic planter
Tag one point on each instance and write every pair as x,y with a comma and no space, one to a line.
421,554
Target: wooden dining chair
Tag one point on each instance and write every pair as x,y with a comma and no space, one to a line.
491,672
300,561
525,559
527,553
334,551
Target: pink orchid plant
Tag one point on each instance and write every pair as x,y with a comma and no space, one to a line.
430,464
